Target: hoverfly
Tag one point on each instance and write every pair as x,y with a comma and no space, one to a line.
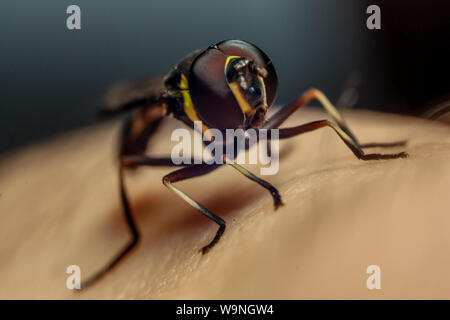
230,84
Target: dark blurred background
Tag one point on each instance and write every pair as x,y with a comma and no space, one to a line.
52,78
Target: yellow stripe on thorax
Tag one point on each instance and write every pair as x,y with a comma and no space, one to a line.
189,108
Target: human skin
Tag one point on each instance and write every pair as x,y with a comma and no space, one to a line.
60,206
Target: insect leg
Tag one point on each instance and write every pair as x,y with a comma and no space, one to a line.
401,143
128,162
191,172
273,191
353,145
279,117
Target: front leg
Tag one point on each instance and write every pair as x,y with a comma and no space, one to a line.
192,172
273,191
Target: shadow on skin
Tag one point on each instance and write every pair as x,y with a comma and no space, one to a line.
152,215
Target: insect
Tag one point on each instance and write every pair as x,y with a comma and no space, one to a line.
230,84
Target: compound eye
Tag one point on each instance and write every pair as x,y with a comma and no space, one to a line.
214,103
